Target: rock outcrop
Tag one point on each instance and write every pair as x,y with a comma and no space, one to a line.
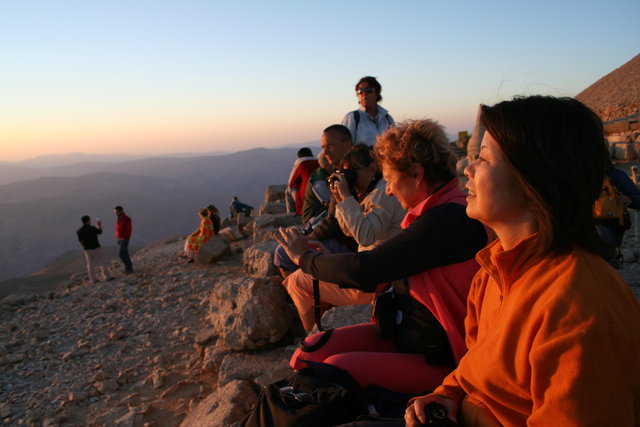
249,313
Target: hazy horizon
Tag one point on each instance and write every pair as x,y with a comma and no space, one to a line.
168,77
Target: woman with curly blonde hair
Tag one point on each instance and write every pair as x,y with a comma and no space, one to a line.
418,336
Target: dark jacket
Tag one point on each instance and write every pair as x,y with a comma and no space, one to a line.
88,236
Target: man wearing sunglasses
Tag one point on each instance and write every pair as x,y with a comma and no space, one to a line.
370,120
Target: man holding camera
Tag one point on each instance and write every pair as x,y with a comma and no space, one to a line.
336,143
88,238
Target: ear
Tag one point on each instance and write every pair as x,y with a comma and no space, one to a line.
417,172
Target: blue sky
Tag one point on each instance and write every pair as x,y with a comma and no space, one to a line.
160,77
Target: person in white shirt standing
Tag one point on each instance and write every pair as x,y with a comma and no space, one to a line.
370,120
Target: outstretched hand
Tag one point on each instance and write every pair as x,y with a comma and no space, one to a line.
415,414
294,243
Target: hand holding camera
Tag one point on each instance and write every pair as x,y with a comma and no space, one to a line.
342,183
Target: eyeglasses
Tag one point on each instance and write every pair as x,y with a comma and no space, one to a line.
365,90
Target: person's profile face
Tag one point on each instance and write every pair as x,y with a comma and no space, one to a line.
494,197
402,186
334,148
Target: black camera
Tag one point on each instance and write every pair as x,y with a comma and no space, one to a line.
349,174
436,415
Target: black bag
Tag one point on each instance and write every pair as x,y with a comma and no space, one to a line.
321,395
413,327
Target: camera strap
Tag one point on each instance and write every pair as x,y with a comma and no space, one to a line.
317,312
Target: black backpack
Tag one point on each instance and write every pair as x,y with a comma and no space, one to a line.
321,395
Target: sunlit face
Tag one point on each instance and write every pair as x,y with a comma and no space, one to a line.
367,96
494,197
334,148
402,186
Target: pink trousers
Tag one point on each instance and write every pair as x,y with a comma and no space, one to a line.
300,287
370,359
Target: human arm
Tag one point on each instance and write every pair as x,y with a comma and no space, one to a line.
631,193
329,227
321,191
373,219
441,236
582,379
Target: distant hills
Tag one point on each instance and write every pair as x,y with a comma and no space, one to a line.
39,216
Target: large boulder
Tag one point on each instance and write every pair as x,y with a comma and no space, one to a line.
214,249
231,233
262,368
274,193
249,313
223,407
257,260
265,225
272,208
263,235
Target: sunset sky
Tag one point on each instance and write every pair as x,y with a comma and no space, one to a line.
162,77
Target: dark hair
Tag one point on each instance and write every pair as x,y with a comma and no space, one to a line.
85,219
556,151
305,152
360,156
373,82
118,208
341,131
204,212
418,141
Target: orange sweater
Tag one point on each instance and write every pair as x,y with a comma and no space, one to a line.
552,341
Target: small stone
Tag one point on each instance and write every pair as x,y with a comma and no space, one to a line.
83,345
205,336
107,386
117,334
76,396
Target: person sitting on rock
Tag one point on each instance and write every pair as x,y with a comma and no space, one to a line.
431,263
336,143
317,193
214,216
553,331
365,212
237,208
302,168
199,237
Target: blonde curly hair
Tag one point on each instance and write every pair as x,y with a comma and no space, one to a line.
418,141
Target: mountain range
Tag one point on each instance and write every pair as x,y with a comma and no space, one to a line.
40,213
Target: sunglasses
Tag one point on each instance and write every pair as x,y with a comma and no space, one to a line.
365,90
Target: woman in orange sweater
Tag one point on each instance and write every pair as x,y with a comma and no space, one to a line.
553,331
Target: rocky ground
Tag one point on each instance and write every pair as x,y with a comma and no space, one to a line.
104,354
131,352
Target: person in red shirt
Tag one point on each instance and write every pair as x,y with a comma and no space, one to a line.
123,235
303,167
